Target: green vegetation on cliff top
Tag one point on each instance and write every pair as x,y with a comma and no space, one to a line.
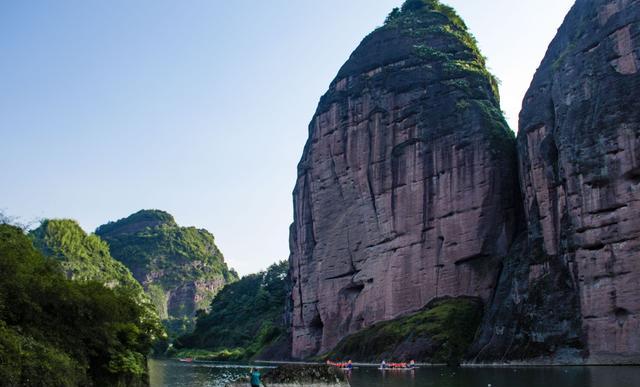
440,333
246,317
86,257
83,257
58,332
150,240
168,259
444,42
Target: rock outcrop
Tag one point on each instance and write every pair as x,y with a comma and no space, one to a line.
407,187
441,333
180,268
579,152
407,191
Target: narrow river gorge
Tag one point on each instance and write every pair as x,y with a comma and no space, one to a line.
175,374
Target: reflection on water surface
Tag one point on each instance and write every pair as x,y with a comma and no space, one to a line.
175,374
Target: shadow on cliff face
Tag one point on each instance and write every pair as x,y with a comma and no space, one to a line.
534,313
569,289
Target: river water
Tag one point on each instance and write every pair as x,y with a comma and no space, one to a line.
175,374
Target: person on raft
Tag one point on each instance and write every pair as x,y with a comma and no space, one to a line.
255,378
402,365
348,365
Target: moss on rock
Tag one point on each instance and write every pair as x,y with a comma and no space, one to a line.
440,333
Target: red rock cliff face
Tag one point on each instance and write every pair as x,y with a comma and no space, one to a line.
406,186
579,152
569,291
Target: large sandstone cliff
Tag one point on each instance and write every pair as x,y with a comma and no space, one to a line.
406,188
574,295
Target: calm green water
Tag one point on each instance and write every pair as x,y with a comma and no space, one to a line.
175,374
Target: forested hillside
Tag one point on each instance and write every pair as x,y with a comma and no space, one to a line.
59,332
180,268
82,256
246,320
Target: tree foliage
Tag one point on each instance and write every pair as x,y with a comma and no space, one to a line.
246,316
444,48
165,256
83,257
57,332
87,258
151,239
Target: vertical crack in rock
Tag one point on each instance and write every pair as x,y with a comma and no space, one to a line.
335,175
370,152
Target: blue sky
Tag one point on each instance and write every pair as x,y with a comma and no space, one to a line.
196,107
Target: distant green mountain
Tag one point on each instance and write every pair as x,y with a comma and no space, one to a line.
181,268
245,321
57,332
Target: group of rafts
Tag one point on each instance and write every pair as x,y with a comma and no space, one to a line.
383,365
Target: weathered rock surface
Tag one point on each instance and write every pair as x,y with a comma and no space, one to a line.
180,268
407,186
571,291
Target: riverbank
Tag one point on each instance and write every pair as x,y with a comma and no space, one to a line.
169,373
474,365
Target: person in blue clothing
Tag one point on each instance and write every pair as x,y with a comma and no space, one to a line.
255,378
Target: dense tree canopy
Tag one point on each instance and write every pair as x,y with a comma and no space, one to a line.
86,257
83,257
57,332
152,240
246,316
167,259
